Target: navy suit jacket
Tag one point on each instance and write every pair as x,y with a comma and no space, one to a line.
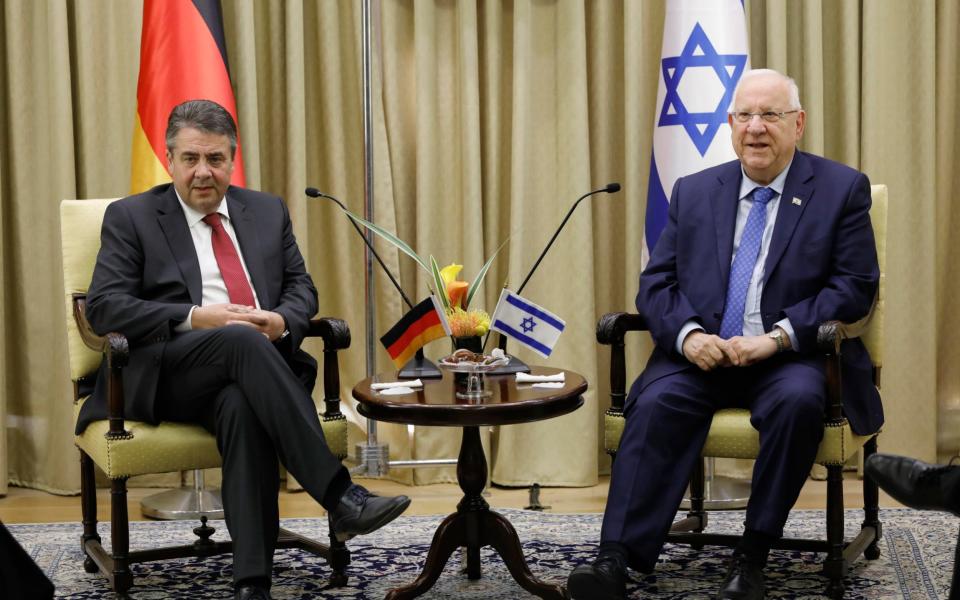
821,265
147,278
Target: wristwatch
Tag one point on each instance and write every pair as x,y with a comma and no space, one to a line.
777,335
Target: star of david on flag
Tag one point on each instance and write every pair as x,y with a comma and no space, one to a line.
703,56
533,326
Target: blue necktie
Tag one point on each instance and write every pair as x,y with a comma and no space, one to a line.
743,264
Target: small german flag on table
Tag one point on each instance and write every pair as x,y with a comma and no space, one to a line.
424,323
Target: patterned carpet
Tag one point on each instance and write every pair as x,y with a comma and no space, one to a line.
916,560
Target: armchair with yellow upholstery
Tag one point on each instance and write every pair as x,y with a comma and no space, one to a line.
732,436
124,448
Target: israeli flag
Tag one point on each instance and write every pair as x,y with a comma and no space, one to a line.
529,324
704,54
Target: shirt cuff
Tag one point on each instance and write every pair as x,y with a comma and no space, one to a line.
687,328
186,325
785,325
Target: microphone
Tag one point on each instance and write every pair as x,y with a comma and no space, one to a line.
418,365
315,193
610,188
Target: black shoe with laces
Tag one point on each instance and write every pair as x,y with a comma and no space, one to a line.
605,579
361,512
915,483
744,580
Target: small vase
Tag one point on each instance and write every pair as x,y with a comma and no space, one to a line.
473,343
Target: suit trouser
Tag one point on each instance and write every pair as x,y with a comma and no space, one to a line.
234,382
667,424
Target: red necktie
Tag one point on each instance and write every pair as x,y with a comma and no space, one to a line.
238,288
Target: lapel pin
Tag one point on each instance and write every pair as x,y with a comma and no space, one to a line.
797,201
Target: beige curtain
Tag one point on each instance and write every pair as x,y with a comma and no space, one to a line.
490,118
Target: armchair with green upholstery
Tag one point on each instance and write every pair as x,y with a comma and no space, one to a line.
124,448
732,436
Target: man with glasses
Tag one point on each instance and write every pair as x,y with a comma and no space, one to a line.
756,254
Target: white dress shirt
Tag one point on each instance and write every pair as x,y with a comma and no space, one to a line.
752,319
214,289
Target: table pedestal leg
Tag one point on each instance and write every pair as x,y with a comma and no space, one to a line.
473,526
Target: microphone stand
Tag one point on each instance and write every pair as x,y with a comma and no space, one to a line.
516,365
418,366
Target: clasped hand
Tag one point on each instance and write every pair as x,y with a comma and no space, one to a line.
709,351
270,324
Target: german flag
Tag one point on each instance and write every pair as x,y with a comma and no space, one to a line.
183,56
423,324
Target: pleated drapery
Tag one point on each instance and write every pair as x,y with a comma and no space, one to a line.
490,119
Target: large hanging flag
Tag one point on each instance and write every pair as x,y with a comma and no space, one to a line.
531,325
704,53
424,323
183,56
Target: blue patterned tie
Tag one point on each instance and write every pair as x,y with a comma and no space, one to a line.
743,264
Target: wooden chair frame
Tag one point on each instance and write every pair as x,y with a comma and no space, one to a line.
611,330
115,564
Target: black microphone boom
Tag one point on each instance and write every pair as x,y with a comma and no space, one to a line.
315,193
418,365
610,188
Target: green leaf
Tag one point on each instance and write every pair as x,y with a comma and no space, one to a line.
483,271
438,281
400,244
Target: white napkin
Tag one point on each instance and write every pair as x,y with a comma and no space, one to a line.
554,385
406,386
528,378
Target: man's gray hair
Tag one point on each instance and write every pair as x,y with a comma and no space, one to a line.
791,84
205,115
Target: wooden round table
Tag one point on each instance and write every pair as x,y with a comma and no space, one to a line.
474,525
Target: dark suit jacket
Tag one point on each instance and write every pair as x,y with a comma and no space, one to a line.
822,265
147,278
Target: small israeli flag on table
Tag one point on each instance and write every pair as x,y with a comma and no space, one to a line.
529,324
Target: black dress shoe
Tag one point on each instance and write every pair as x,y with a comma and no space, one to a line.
744,580
252,592
605,579
915,483
361,512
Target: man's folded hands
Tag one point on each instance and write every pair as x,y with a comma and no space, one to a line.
269,323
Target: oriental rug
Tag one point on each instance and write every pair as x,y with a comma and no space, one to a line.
916,560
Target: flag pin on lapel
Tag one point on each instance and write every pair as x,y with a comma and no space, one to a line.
797,201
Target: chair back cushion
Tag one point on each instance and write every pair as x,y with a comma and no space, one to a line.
873,336
80,222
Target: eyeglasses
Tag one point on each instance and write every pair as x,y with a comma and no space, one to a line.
768,116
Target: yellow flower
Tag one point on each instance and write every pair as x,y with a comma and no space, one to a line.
455,289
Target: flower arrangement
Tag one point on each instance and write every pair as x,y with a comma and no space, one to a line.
463,322
454,295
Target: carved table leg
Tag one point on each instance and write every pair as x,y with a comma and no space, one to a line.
474,525
499,533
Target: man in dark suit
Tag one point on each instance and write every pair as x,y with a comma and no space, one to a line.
208,284
755,255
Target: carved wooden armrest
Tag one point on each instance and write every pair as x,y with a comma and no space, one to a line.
336,337
116,351
612,327
830,335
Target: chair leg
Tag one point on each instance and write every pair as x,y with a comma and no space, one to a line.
871,508
120,537
697,483
339,559
88,508
834,567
